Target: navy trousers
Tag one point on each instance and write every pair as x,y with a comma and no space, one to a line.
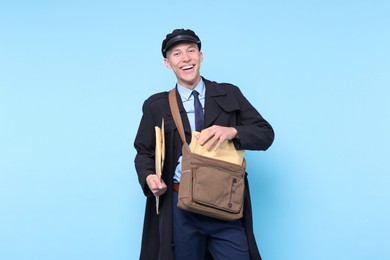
194,233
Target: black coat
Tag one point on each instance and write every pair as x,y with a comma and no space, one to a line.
225,105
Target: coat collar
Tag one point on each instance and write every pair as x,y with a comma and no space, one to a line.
212,102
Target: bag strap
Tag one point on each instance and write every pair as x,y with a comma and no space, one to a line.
176,114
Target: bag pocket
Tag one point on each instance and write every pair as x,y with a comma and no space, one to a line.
219,188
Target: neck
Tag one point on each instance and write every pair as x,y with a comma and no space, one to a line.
190,85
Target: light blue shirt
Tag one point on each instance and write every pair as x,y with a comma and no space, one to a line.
188,103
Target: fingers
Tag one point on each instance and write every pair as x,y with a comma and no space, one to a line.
215,142
216,135
156,185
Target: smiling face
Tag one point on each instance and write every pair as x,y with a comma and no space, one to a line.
184,59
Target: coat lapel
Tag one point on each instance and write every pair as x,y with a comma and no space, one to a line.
212,108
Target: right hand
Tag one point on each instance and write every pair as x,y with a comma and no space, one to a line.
156,185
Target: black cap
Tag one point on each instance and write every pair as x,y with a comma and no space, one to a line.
177,36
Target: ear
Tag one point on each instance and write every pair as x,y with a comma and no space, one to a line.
201,56
167,63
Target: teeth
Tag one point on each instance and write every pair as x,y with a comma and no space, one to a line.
188,67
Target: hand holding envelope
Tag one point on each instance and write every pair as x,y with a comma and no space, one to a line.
227,152
159,155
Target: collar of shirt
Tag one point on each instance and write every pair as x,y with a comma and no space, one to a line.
185,93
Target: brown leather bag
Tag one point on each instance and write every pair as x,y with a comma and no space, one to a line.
208,186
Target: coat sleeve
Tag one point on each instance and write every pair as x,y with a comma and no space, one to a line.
254,132
145,146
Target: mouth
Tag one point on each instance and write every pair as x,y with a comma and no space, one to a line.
188,67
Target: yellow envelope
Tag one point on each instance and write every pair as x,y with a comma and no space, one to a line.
227,151
159,155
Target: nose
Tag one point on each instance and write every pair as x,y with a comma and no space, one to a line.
186,57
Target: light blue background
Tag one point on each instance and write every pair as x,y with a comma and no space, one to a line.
74,75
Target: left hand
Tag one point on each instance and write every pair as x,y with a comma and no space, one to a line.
216,135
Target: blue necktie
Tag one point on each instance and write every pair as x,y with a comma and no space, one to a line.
199,118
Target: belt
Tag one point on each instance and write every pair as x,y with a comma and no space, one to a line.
175,187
